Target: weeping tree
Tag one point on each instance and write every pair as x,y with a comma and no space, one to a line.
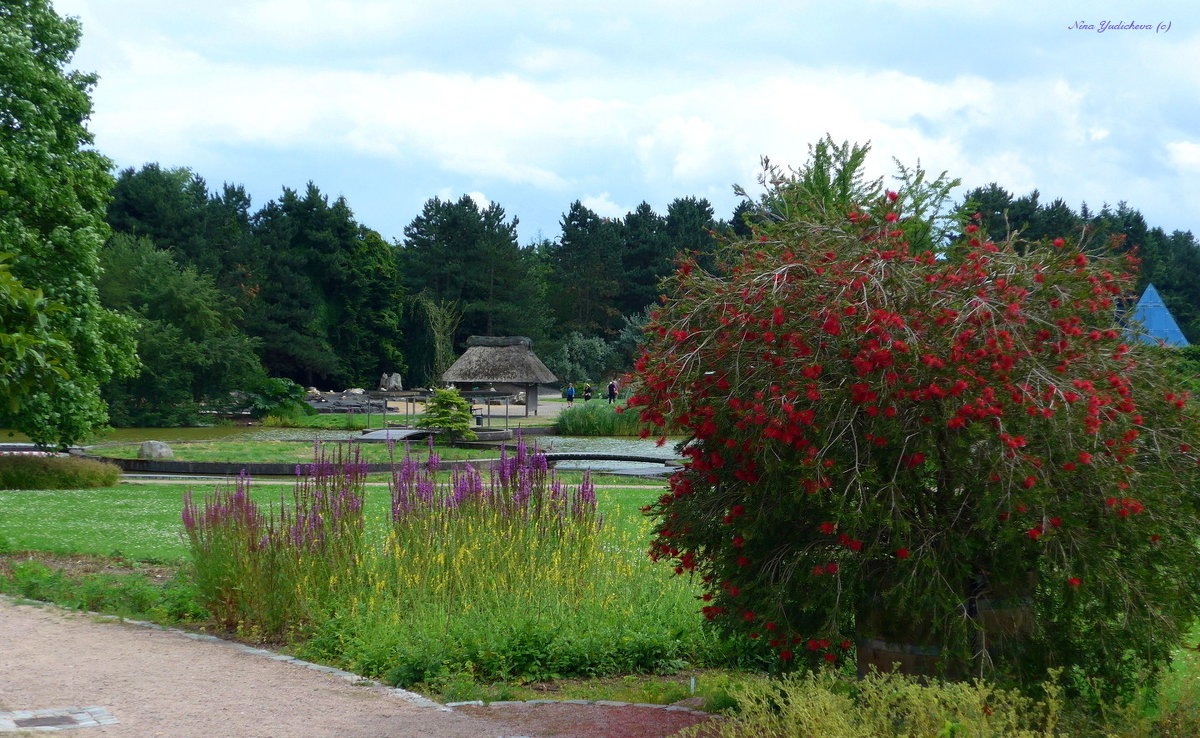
442,318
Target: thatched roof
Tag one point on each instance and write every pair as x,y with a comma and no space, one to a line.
499,359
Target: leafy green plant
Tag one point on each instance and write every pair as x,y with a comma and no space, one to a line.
896,440
597,419
449,413
278,396
55,472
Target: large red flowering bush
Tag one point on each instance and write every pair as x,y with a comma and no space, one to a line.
886,431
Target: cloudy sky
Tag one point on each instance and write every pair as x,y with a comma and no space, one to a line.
535,104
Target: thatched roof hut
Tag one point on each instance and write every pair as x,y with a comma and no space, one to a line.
496,360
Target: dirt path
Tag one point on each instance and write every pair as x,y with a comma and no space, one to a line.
148,682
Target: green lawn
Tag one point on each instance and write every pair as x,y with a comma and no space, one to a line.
141,521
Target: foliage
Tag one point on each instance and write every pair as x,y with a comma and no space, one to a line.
597,418
690,230
326,296
442,321
577,358
129,594
30,355
1185,361
583,279
449,413
277,396
269,575
52,193
192,352
882,441
473,277
646,257
883,705
1169,261
510,577
628,344
55,472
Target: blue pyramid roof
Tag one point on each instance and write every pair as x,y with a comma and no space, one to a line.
1153,323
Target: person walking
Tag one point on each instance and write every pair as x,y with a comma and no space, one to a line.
612,392
571,393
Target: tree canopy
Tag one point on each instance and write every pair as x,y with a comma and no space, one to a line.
53,191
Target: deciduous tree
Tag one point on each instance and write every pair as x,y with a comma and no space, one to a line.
53,191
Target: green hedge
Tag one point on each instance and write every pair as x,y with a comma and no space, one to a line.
55,472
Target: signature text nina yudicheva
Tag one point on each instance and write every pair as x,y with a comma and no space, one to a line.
1103,26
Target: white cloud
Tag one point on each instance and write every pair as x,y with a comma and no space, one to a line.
603,206
556,101
1184,155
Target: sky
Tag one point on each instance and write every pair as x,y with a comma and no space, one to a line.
536,104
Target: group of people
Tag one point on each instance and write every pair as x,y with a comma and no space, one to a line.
587,392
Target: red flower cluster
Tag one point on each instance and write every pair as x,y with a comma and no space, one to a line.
850,398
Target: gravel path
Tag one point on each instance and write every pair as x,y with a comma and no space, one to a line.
122,679
160,683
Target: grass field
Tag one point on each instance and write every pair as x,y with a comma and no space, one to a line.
141,521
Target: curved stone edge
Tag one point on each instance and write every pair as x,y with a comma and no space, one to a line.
602,703
356,679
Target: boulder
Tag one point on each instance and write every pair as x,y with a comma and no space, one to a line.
155,450
391,382
355,391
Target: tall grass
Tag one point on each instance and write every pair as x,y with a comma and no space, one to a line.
270,573
597,418
511,575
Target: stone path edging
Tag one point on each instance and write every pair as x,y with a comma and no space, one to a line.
604,703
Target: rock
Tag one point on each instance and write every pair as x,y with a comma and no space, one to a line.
391,382
355,391
692,703
155,450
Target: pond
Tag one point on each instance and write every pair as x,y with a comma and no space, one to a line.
605,445
609,445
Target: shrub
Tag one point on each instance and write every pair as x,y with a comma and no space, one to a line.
884,441
55,472
450,413
882,705
278,396
596,419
